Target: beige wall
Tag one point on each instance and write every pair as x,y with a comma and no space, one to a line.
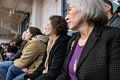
39,17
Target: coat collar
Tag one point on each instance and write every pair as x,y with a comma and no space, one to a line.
62,38
41,38
93,38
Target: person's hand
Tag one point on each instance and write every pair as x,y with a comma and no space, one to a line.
8,54
25,69
28,79
1,78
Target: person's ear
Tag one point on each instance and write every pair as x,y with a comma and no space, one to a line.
107,7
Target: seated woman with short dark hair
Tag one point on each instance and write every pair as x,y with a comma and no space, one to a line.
54,57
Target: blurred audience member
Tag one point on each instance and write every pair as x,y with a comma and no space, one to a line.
113,18
19,52
118,11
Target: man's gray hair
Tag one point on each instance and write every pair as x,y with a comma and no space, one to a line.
91,10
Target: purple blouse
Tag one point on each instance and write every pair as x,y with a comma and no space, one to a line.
73,62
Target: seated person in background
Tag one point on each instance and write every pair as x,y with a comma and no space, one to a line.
118,11
113,18
54,57
31,55
13,47
3,52
17,40
11,51
0,52
5,65
19,52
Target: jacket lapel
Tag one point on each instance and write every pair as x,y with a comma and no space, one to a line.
93,38
52,49
72,45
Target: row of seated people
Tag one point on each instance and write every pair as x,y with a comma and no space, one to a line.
9,50
35,50
92,53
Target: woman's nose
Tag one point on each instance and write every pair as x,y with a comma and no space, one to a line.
66,18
